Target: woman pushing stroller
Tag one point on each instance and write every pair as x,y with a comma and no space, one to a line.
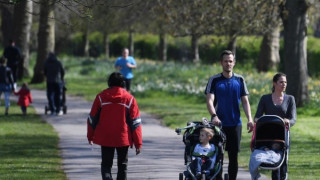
280,104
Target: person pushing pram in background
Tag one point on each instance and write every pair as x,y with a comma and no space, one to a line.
54,72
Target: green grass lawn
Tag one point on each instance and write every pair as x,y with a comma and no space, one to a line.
28,147
174,93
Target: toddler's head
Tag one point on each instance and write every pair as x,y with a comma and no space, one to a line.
206,134
24,85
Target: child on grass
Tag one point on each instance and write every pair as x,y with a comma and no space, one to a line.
204,155
24,97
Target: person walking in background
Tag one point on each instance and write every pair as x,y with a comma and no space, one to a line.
13,55
24,97
125,64
54,72
114,123
224,91
6,83
280,104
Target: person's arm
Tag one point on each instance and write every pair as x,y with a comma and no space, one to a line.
212,111
247,111
117,65
135,126
94,110
260,109
132,63
291,116
62,72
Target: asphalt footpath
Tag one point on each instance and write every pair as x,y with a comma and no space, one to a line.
161,156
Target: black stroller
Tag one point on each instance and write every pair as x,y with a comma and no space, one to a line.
272,129
191,138
63,102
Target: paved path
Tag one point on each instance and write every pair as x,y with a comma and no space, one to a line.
161,157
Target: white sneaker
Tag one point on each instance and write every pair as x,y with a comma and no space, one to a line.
60,113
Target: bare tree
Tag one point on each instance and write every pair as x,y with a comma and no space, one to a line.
294,17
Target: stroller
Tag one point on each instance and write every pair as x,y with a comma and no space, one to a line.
191,138
272,129
63,102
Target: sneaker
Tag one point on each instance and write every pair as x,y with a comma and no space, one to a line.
59,113
198,174
206,172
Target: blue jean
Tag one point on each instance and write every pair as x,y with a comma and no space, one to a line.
54,92
199,166
6,89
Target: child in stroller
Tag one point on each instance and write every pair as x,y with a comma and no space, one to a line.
270,146
204,153
208,164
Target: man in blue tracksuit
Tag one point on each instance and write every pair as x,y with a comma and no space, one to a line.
224,92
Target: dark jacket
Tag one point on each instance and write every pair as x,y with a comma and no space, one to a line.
13,55
53,70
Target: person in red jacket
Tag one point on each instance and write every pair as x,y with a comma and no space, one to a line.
24,97
114,123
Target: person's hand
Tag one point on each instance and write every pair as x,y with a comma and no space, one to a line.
91,142
216,121
286,121
138,151
250,126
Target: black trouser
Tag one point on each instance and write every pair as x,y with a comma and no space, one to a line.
54,91
107,154
128,84
233,135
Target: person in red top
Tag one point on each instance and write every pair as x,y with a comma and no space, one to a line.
24,97
114,123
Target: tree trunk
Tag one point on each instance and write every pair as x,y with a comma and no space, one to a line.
45,38
195,48
106,45
22,28
232,44
294,18
131,42
163,47
269,51
6,23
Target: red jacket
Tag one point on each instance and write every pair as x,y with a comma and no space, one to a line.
24,97
119,123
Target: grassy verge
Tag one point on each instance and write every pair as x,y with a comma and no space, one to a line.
29,147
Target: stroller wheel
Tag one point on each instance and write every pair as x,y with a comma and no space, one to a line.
226,176
180,176
64,110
